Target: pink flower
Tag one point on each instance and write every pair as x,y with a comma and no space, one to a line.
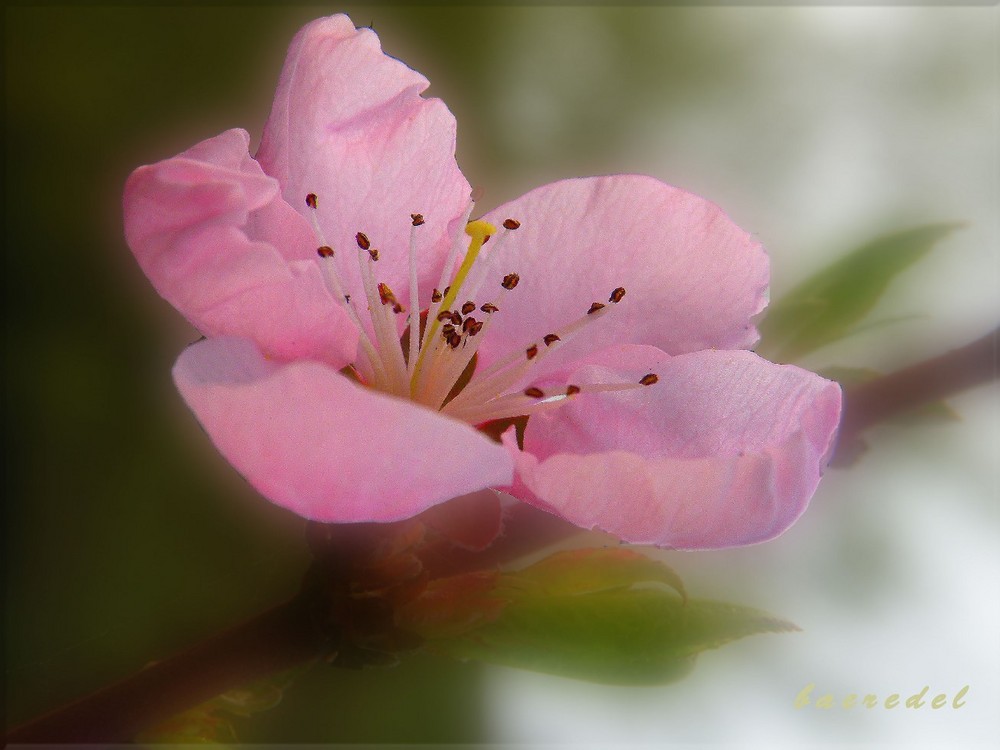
613,312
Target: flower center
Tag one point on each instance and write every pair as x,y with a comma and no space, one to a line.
434,362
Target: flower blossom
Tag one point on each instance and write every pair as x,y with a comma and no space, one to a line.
371,350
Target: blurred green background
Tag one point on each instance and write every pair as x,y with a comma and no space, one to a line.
127,537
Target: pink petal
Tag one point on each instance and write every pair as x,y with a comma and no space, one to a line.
693,279
211,232
726,449
349,125
327,449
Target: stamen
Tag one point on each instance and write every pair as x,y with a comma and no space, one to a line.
468,307
572,390
384,325
489,308
616,295
362,239
649,379
510,281
436,296
375,372
387,297
534,392
511,224
411,360
444,315
508,406
507,371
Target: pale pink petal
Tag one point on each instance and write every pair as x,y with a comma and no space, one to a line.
211,232
726,449
348,124
326,448
693,279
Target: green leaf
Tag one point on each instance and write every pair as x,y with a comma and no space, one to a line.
602,615
617,636
825,307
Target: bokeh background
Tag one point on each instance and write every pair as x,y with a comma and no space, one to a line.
816,128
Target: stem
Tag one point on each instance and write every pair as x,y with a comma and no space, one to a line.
288,634
867,404
282,637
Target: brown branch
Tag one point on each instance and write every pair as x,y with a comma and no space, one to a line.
868,404
278,639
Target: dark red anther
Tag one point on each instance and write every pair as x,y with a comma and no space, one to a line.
444,315
476,328
616,295
534,392
436,296
373,253
456,318
468,323
489,307
385,294
468,307
417,219
454,340
363,241
511,223
550,339
325,251
649,379
531,351
572,390
510,281
594,308
311,200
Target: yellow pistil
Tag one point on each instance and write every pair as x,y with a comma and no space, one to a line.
479,231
